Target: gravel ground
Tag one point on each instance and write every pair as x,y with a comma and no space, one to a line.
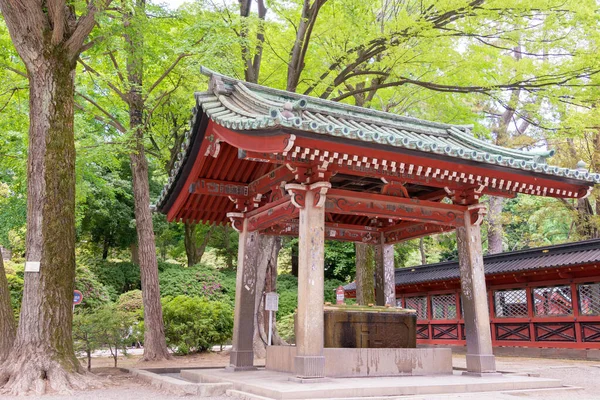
583,374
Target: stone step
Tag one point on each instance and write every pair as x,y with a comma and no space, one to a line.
182,387
238,394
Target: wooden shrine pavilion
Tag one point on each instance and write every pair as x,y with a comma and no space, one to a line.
278,163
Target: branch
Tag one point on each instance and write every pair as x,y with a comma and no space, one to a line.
167,72
532,84
115,122
116,65
84,26
110,85
56,12
16,71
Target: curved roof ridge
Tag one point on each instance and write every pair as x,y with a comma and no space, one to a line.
291,96
535,155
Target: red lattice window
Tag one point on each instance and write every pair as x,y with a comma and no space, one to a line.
443,306
419,304
510,303
589,299
552,301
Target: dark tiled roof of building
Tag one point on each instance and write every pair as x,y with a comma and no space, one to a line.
561,255
243,106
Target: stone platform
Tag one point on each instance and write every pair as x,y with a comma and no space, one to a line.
276,385
346,363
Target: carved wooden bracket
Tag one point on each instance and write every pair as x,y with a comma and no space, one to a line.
237,220
477,212
465,197
394,188
214,147
298,193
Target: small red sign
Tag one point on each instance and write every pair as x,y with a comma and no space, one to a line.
77,297
339,295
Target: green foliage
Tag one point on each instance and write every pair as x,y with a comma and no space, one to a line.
86,333
197,281
339,260
95,294
108,326
15,286
194,324
131,302
118,276
285,328
330,285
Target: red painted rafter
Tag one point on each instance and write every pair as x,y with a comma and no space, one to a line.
266,182
435,178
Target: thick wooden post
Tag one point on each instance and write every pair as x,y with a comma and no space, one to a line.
241,357
385,280
480,359
310,362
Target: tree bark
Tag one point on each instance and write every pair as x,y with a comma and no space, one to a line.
266,281
43,354
155,346
7,320
194,252
365,271
191,248
307,21
495,227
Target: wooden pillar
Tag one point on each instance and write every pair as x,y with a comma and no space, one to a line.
241,357
309,362
385,279
480,359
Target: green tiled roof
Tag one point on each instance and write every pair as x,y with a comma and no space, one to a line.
239,105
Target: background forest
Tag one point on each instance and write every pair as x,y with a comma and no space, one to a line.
523,73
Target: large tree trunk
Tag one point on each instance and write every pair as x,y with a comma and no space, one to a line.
155,346
194,252
365,274
495,227
191,247
266,281
43,354
7,319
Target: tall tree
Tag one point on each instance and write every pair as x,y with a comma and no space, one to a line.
7,319
49,37
155,346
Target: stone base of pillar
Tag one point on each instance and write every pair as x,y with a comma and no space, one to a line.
309,367
481,363
241,360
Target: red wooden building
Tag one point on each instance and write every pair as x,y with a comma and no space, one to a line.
542,297
270,162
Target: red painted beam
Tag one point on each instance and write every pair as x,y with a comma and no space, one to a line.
333,231
402,232
218,188
381,206
270,214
